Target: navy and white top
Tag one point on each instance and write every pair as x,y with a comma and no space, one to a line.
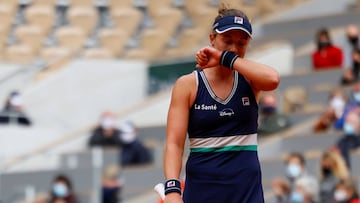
223,164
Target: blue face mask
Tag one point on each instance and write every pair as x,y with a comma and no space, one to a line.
293,170
356,96
296,197
60,190
348,129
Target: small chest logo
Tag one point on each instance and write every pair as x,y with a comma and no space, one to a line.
226,112
245,101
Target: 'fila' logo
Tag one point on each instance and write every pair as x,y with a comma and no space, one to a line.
246,101
170,184
238,20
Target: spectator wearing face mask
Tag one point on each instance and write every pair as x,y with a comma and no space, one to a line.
327,55
336,106
133,150
106,134
332,170
352,55
350,140
13,111
62,190
346,192
305,191
270,119
295,169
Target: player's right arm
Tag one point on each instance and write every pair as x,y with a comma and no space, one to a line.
177,123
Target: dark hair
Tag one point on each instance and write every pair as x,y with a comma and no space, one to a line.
224,11
65,179
297,155
349,183
323,32
71,198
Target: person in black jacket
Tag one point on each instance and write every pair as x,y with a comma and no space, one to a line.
13,111
106,134
134,152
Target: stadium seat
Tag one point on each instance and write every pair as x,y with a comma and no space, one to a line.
294,98
4,30
201,13
154,6
87,3
127,19
98,53
71,37
7,13
271,6
19,53
114,40
31,35
152,43
168,20
83,17
44,2
41,15
187,42
49,54
121,4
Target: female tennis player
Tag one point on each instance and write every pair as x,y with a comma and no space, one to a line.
217,106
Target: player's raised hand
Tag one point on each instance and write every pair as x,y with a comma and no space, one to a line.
208,57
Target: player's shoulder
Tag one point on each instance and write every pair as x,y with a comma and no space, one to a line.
187,80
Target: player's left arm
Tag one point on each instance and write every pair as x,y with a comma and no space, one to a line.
260,76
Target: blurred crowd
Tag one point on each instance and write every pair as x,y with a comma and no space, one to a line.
337,182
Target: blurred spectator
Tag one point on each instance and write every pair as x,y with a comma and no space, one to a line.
352,105
352,55
332,170
336,105
327,55
305,191
13,111
295,169
133,150
346,192
281,190
106,134
62,190
351,139
270,119
111,184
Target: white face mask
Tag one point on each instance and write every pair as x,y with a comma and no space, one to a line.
338,104
16,101
293,170
60,190
340,195
107,123
356,96
128,133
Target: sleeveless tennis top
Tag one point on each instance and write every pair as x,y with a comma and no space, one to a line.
223,164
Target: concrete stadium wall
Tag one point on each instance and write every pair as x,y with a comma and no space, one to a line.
279,55
77,94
